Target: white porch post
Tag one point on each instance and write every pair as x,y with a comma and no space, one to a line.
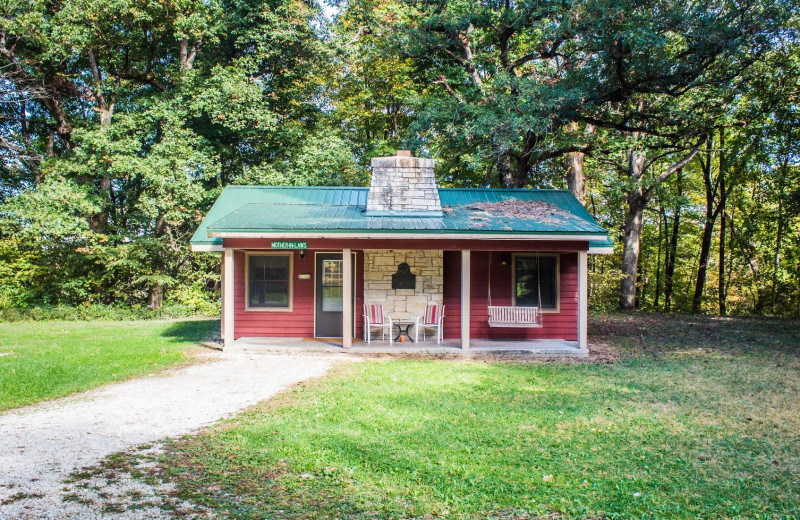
227,298
465,300
347,298
583,298
222,298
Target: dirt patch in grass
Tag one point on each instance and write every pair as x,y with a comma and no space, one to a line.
20,496
130,482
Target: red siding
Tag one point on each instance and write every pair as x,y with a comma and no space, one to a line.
299,322
562,325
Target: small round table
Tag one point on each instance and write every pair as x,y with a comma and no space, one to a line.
406,332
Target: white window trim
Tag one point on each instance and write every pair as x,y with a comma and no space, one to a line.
247,256
557,256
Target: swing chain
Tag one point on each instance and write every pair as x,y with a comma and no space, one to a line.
489,279
538,282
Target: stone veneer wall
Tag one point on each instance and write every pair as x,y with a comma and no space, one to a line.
401,183
403,304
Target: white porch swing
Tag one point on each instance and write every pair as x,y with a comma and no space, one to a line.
512,316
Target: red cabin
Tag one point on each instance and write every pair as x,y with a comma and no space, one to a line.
507,265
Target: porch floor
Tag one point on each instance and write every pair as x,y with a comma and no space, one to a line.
533,347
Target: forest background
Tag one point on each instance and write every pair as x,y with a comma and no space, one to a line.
675,122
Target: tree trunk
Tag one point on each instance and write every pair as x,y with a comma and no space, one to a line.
504,170
574,164
98,222
155,296
702,267
641,284
708,231
778,236
630,252
731,254
523,162
187,54
723,198
632,233
669,269
661,218
575,179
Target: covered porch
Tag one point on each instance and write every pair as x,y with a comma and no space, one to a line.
459,280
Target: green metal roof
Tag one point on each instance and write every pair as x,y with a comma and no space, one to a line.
261,209
601,244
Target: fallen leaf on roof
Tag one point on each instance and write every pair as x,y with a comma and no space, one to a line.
538,210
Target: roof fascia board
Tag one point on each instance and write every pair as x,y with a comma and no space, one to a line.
406,235
207,248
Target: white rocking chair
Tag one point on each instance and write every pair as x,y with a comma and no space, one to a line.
374,317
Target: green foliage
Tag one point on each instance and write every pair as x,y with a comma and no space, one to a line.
146,110
191,303
120,122
324,160
373,86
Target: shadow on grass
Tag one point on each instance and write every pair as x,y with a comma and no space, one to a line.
193,331
657,332
413,439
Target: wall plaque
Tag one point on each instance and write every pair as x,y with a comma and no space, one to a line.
404,278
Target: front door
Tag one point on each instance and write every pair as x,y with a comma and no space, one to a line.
329,305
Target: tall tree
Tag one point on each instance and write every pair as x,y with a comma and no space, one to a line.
517,76
145,108
672,249
373,87
714,201
721,292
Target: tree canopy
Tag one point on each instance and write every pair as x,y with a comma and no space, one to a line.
675,122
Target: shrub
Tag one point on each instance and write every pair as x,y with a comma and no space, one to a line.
91,312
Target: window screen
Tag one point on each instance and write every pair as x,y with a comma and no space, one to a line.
268,281
535,276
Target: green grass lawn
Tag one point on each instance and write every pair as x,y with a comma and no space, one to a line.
43,360
698,418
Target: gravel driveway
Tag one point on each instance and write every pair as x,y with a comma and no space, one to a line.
41,445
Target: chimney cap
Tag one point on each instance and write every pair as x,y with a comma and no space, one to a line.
403,153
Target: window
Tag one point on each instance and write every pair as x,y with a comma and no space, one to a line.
536,281
332,286
269,282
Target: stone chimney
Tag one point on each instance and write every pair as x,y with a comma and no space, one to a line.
402,183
